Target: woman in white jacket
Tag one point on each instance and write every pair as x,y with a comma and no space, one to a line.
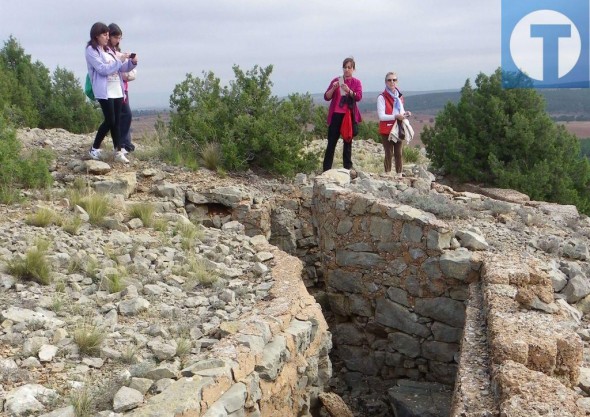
105,69
390,109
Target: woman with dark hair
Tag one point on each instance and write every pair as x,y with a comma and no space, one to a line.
115,36
105,70
343,92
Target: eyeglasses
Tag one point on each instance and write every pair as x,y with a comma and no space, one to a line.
391,80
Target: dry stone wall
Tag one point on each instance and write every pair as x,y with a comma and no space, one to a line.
528,361
396,288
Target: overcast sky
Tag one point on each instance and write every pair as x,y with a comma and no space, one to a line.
431,44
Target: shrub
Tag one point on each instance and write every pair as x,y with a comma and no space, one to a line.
20,170
504,137
253,128
369,130
410,155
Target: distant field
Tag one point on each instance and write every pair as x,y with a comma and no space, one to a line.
145,124
580,129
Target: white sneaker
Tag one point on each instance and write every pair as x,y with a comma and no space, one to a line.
94,154
124,151
120,157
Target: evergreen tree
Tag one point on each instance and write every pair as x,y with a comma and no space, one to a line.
504,137
30,97
253,127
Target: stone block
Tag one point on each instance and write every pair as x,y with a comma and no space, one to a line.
442,309
398,317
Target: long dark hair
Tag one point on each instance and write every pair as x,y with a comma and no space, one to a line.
115,30
96,30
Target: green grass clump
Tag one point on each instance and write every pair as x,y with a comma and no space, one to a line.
43,217
410,155
57,303
114,283
10,195
83,401
211,156
180,154
188,233
72,225
183,347
89,337
144,212
161,225
196,272
33,266
97,206
91,269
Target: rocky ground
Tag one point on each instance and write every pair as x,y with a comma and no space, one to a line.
184,286
185,289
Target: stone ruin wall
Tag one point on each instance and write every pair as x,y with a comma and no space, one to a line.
409,307
276,364
527,362
397,293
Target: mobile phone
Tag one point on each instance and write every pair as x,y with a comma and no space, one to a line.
132,55
341,80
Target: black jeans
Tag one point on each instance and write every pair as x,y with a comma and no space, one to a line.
111,109
333,136
126,126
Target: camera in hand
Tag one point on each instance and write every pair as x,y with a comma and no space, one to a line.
132,55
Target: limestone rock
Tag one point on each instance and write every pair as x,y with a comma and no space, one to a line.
334,405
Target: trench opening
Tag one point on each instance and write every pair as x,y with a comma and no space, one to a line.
393,355
396,340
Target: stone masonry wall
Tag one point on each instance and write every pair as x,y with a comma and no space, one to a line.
397,290
275,364
528,361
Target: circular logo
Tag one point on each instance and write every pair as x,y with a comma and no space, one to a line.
527,51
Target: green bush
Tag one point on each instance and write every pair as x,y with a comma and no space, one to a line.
31,97
505,138
369,130
253,128
410,155
26,171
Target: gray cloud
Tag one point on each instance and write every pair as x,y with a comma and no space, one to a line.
430,44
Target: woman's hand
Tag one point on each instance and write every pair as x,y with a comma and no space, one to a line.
335,85
399,117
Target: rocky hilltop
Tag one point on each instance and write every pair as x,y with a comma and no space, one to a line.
159,317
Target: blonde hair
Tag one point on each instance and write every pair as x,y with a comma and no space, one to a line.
390,73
